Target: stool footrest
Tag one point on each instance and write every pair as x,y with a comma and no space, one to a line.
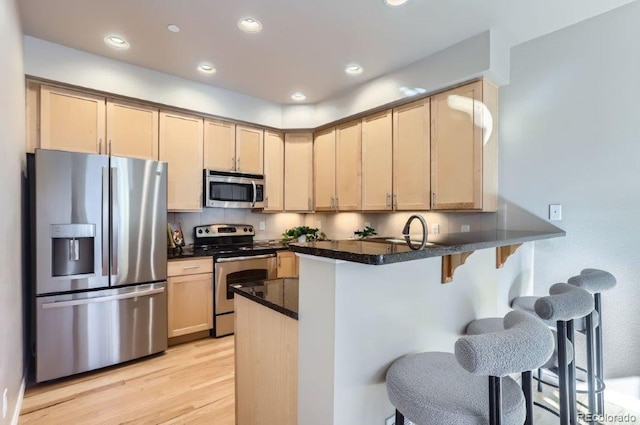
547,408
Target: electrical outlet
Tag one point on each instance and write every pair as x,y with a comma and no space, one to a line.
555,212
435,228
318,224
263,225
367,224
5,403
465,228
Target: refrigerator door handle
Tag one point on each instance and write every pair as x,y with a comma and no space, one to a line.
115,214
105,221
61,304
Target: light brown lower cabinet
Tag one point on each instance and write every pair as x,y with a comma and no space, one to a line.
189,296
266,357
287,264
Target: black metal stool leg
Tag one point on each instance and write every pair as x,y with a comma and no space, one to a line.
591,380
527,389
399,418
573,406
563,374
539,380
598,354
495,400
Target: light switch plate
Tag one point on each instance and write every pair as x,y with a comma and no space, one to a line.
263,225
555,212
465,228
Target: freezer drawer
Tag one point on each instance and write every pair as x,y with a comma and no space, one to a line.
89,330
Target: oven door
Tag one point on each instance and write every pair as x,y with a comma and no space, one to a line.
226,191
233,271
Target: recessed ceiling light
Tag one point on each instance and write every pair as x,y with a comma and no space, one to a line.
173,28
250,25
206,68
298,97
353,69
116,42
394,3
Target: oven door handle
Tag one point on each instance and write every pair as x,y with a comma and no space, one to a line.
247,257
255,193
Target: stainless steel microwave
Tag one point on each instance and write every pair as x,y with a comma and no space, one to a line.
233,190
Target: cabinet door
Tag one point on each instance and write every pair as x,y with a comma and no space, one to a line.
298,171
287,264
181,147
249,148
32,97
349,166
456,148
324,169
132,130
190,304
411,162
71,121
377,162
274,171
219,145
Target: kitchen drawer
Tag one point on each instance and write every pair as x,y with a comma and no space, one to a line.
189,266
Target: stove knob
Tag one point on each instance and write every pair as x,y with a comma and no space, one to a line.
246,230
200,231
206,231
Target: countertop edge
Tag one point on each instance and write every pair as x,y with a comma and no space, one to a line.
268,304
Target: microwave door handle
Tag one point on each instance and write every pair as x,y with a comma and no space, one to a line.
255,193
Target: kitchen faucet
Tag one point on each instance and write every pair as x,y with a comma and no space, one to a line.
407,227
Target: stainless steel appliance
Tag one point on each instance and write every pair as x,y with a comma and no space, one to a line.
237,260
233,190
99,244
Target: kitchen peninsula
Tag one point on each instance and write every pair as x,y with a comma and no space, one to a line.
363,304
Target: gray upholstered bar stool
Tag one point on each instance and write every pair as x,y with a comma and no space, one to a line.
563,304
471,386
595,282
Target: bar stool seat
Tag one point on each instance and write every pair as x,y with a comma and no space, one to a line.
527,303
454,397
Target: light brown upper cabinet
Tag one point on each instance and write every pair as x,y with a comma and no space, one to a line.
132,130
324,169
349,166
377,163
231,147
274,171
411,163
219,145
298,172
71,121
249,149
181,147
464,148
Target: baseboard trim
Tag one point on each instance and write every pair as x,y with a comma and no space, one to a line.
16,411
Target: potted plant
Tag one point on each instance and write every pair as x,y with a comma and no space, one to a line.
302,234
365,233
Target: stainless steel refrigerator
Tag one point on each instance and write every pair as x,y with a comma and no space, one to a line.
99,232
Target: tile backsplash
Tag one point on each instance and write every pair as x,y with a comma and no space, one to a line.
334,225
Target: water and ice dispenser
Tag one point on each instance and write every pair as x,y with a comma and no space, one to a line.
72,249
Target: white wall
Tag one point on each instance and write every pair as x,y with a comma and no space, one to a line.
12,157
569,134
58,63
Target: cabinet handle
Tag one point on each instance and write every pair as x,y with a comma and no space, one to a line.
109,147
337,203
99,146
266,202
309,203
190,267
395,200
279,262
238,164
433,198
388,200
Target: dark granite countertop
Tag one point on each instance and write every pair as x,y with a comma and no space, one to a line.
258,245
379,251
280,295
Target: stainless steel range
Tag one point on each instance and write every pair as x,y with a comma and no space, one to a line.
237,260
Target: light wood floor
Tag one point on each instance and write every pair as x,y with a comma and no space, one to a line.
191,383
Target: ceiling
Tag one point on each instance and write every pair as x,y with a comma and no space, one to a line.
304,46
